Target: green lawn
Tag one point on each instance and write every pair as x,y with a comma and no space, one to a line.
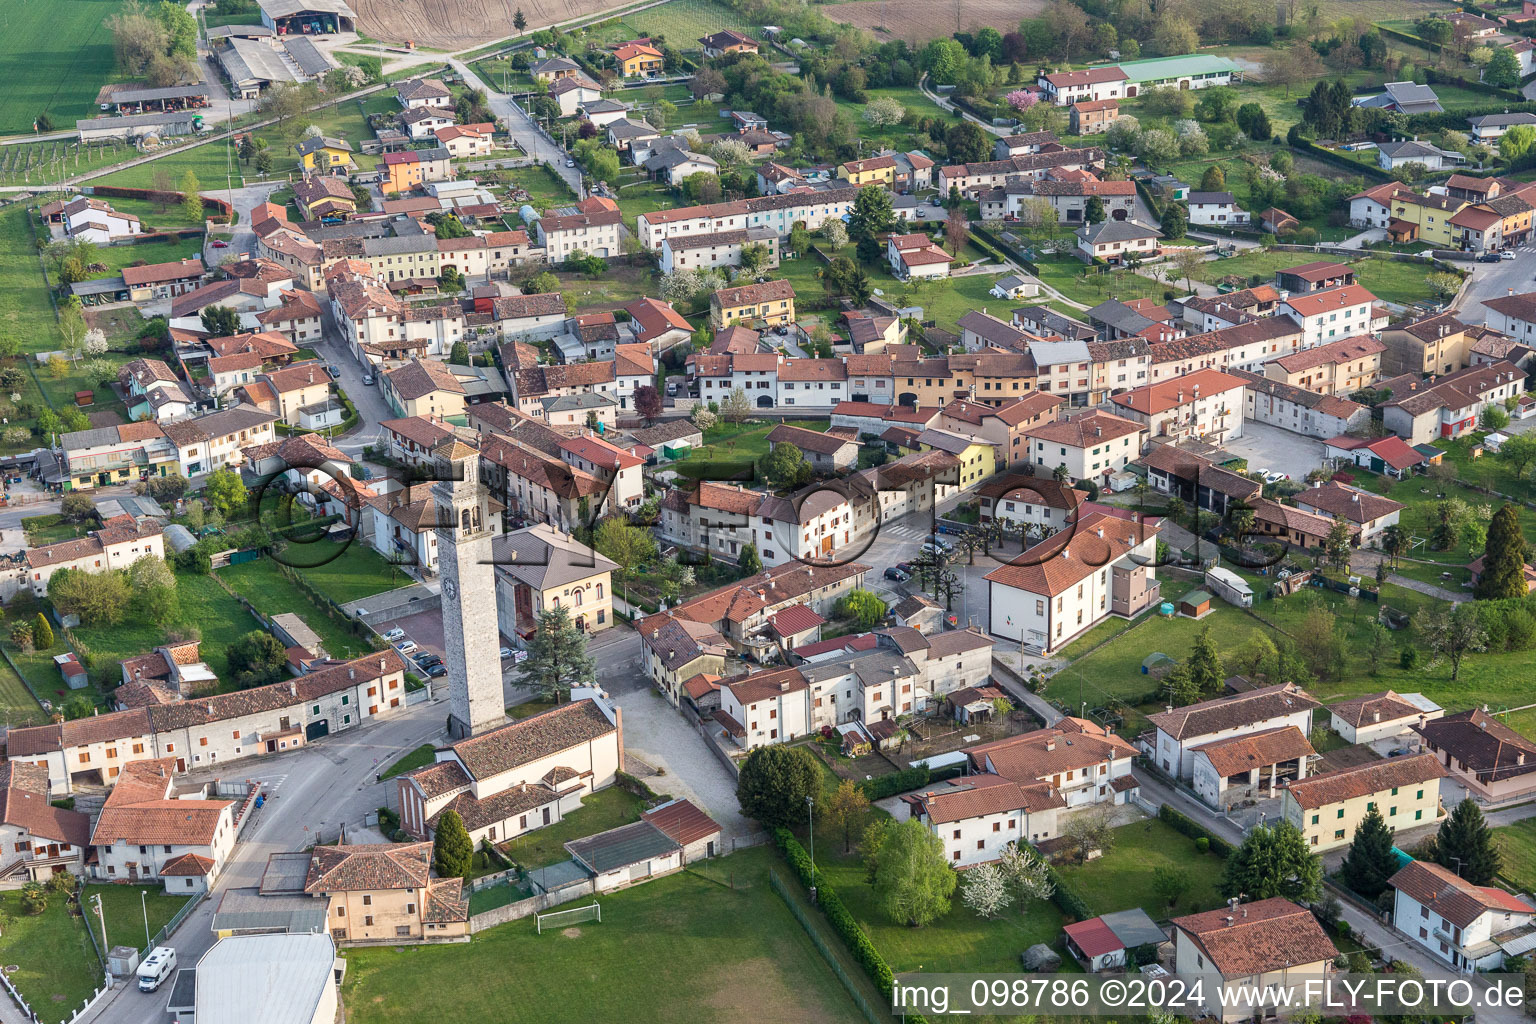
529,708
56,966
25,311
50,529
896,136
1396,281
125,912
215,169
422,755
960,941
493,896
1517,843
1081,283
54,57
730,450
17,705
684,21
116,257
1112,674
271,593
204,605
605,809
357,572
1123,878
545,189
643,963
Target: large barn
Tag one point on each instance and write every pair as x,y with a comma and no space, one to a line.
307,17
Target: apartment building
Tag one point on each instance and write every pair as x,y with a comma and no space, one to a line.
1206,404
1328,808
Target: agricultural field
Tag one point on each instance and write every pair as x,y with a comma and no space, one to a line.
452,25
918,21
25,312
55,160
55,55
682,22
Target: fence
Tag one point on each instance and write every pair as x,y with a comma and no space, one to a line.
869,1012
175,922
531,905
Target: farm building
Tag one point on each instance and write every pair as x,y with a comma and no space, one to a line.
307,17
138,126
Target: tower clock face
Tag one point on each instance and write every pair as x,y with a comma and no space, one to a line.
450,590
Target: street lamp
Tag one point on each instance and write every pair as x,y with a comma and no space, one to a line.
144,906
810,818
96,906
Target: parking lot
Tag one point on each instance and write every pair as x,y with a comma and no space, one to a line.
1277,451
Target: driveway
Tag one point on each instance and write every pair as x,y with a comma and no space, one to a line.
529,137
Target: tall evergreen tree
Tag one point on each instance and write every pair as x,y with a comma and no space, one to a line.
1274,860
1503,558
1205,672
557,656
42,633
453,852
1465,845
1370,860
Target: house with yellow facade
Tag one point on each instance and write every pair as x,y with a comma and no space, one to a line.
977,455
324,154
876,170
638,60
1328,807
371,892
772,303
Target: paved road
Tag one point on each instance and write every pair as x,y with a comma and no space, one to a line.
528,136
944,104
1492,280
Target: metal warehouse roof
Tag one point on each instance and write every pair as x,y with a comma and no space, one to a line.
1156,68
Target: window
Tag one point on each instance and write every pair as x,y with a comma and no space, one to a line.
236,734
1418,815
1314,819
1341,812
1339,834
367,900
341,911
367,920
202,741
315,710
410,908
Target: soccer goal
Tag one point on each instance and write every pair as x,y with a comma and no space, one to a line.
571,915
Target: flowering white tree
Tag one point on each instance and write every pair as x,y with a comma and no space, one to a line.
730,153
836,234
1026,873
1192,138
703,418
884,111
95,342
985,890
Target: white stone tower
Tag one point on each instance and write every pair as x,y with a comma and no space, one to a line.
470,638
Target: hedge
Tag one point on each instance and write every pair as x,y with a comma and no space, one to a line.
838,916
1192,828
221,209
1408,37
883,786
1422,123
1066,898
1369,171
1433,77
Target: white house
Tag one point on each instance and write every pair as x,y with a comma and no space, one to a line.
977,816
1251,765
1372,513
1392,155
1114,241
1067,87
96,221
1103,567
1467,926
44,839
1077,761
1216,208
916,256
149,829
1180,730
1383,717
1491,127
1092,445
1330,314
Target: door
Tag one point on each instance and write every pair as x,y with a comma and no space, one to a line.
546,815
315,730
181,764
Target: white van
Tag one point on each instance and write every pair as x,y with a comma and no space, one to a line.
158,966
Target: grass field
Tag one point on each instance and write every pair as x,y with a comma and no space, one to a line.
958,941
116,257
204,604
357,572
1389,280
55,56
25,312
682,22
1517,844
605,809
56,966
16,704
271,593
207,161
1123,878
125,912
643,963
730,450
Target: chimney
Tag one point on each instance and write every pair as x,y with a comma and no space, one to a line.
209,706
293,688
1520,758
351,673
1245,910
1229,919
1375,716
1050,743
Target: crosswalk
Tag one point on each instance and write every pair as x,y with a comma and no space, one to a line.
270,783
903,531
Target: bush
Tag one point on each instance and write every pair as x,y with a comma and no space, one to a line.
1066,898
1203,844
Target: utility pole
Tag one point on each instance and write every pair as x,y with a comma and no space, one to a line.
96,905
144,905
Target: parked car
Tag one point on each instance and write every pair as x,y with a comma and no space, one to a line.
1488,257
333,370
896,574
906,567
437,671
368,379
1507,254
395,634
219,243
426,659
407,647
506,652
1274,478
932,548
